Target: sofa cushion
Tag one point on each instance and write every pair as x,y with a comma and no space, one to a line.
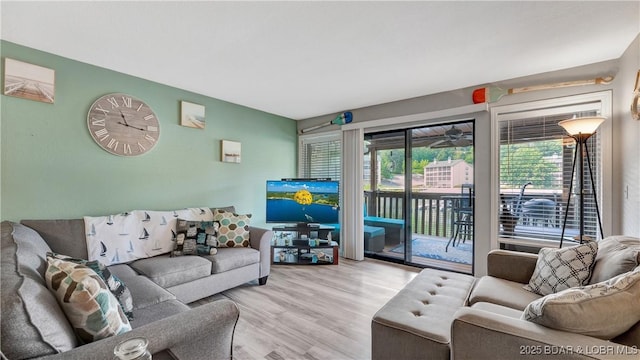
86,300
170,271
117,287
195,238
158,311
501,292
123,271
604,310
232,258
29,328
234,229
559,269
146,293
616,255
498,309
63,236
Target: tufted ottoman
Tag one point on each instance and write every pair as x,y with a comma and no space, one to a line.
416,323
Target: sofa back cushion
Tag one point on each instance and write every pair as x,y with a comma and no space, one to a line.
616,255
63,236
33,324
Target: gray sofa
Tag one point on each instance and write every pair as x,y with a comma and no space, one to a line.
445,315
34,326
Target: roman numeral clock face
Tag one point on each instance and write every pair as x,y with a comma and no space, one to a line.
123,125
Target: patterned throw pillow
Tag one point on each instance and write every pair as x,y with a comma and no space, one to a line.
115,285
234,229
604,310
92,310
195,238
559,269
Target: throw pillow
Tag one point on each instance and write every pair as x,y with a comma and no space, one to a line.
234,229
559,269
195,238
603,310
91,308
115,285
616,255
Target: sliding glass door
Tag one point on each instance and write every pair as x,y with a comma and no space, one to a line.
419,190
385,195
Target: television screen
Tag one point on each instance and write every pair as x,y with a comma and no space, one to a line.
302,201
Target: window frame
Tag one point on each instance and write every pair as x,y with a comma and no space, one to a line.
304,140
597,101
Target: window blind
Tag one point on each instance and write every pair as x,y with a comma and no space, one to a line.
321,159
536,157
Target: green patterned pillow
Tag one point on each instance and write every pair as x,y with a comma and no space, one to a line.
115,285
92,310
234,229
195,238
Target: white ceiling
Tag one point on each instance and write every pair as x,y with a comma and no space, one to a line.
305,59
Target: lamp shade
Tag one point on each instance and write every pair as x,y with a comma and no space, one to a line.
583,125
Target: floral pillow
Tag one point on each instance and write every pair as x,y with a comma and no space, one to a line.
234,228
195,238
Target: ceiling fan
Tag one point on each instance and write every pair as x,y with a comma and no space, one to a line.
453,137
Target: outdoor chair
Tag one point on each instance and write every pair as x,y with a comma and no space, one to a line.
462,210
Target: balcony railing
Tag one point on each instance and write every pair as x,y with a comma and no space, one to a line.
431,213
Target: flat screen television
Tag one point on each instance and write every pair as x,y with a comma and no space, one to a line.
303,201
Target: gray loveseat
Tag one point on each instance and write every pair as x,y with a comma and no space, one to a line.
445,315
34,326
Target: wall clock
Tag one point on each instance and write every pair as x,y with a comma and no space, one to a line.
123,125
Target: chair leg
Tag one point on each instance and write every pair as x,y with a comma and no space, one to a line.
453,238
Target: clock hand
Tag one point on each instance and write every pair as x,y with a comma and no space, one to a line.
131,126
123,118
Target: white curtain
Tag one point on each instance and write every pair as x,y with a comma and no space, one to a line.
352,214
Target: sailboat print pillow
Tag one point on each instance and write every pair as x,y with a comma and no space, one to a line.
134,235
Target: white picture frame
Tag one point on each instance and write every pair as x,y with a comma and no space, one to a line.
29,81
231,151
192,115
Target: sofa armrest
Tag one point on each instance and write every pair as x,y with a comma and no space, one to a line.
260,239
511,265
478,334
204,332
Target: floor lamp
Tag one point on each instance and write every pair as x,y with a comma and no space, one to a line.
581,129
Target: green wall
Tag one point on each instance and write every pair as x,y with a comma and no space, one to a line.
52,168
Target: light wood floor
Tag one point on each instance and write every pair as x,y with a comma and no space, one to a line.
314,312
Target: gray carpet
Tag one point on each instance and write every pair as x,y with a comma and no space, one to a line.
434,249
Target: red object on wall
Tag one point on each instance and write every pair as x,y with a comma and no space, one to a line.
479,95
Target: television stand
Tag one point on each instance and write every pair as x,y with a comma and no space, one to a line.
303,244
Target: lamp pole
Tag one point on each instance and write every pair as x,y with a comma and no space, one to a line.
581,129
